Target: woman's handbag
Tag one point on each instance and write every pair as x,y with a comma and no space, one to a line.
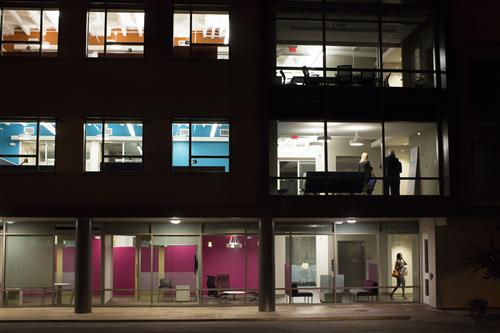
395,274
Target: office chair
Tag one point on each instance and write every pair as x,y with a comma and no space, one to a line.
164,284
211,285
344,75
283,76
386,80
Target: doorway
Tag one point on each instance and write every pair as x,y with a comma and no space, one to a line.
352,262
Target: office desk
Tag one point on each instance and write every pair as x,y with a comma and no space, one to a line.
59,290
334,182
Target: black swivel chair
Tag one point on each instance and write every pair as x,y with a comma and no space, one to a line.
367,79
165,284
283,76
386,80
297,293
211,285
344,75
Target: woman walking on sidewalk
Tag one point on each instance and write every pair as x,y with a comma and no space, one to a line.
400,271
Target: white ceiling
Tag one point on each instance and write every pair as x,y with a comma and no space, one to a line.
28,21
371,131
126,22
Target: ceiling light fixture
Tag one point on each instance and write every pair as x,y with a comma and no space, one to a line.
339,222
356,141
175,220
234,243
351,221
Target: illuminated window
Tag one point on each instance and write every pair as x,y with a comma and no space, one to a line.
201,34
27,145
29,32
117,148
200,146
115,33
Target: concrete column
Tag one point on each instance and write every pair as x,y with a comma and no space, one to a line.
267,302
83,267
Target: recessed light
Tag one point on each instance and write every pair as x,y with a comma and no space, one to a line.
175,220
351,221
10,222
419,133
339,222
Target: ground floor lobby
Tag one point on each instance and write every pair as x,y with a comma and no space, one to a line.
180,262
203,263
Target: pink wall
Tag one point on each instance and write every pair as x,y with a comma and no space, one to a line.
146,260
253,262
180,258
68,260
220,260
123,269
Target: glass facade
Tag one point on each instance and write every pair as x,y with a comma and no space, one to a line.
200,146
117,148
139,264
115,33
362,46
27,144
201,33
345,261
314,158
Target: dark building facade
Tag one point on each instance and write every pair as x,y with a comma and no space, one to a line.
157,153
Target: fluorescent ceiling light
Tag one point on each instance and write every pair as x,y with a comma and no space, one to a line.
49,127
175,220
356,141
213,130
234,243
131,130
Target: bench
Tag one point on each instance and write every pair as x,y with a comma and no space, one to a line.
369,289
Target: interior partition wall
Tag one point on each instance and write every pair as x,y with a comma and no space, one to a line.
345,262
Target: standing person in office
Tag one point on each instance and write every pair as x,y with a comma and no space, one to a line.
391,173
366,168
400,271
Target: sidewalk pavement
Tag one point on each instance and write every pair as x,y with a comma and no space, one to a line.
243,313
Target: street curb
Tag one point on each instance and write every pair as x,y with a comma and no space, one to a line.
104,320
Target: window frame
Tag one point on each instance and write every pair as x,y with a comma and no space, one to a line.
382,15
206,9
103,121
190,169
30,6
106,7
274,181
37,167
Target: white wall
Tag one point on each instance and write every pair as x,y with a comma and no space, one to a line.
280,261
322,257
108,267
